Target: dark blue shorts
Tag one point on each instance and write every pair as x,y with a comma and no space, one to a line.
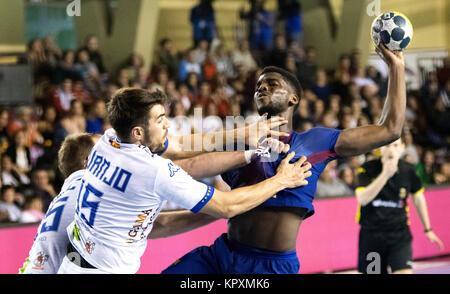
226,256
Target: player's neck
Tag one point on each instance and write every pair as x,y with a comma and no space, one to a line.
288,114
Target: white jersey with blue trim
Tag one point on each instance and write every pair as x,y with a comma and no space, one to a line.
123,190
50,243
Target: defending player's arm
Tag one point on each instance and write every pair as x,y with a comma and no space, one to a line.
187,146
237,201
215,163
169,223
367,192
355,141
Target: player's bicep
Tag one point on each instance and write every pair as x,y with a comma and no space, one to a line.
360,140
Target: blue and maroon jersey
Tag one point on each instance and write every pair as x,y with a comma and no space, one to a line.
317,145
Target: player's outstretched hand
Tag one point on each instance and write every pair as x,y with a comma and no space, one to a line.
264,128
392,58
293,175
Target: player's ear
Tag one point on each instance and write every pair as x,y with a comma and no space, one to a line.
293,99
137,133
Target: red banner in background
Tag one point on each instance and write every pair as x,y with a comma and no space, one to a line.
328,241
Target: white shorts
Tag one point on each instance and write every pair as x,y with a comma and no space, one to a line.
68,267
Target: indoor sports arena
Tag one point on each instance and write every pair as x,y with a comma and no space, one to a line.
225,137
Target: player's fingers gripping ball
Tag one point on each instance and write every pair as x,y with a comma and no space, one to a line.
393,29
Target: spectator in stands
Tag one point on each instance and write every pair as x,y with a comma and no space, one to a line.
62,97
52,53
360,78
9,211
296,50
89,72
168,56
41,187
242,56
290,64
179,123
80,94
46,125
260,26
204,95
334,104
443,73
94,54
192,82
290,12
161,79
209,67
203,21
329,184
32,211
211,120
381,83
318,111
443,176
66,70
410,149
221,100
20,153
40,65
277,56
347,177
11,175
321,87
355,61
186,97
221,81
133,65
188,65
96,117
123,78
4,138
64,128
427,167
329,120
200,52
308,68
223,61
77,116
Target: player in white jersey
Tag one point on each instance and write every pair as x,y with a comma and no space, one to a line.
126,184
50,243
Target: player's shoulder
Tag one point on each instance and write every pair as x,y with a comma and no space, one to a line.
317,131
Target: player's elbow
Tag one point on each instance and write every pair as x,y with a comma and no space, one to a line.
228,210
393,130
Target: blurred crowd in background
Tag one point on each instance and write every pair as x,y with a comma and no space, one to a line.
72,88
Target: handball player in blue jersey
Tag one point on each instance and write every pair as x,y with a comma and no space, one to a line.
263,240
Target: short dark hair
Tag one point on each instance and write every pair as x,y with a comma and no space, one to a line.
73,152
129,107
7,187
287,76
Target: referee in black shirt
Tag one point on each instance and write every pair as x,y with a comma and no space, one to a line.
383,187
